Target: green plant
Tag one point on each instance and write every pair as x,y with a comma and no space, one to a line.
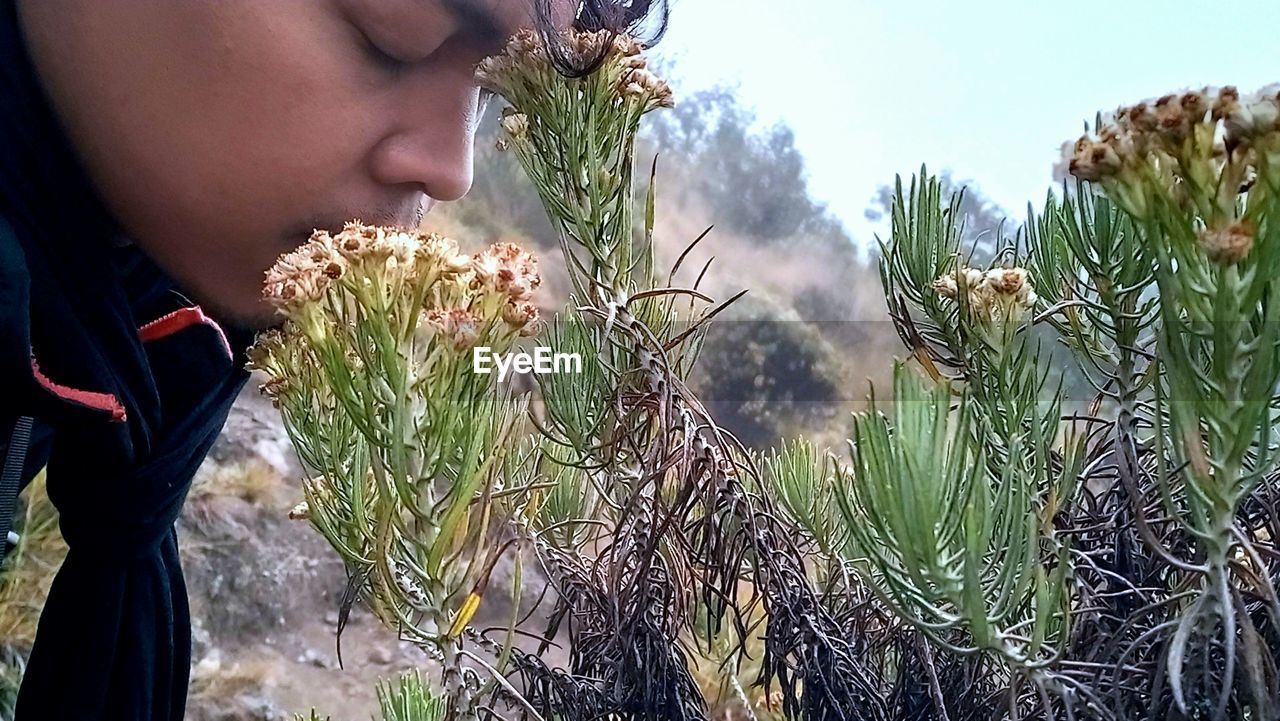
408,698
1122,563
991,547
1197,177
372,373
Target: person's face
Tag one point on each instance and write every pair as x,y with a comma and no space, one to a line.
222,132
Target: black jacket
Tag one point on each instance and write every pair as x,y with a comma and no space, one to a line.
129,384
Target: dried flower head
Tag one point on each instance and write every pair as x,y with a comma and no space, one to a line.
515,124
525,65
948,284
269,355
442,254
302,276
1095,159
999,293
648,88
1007,281
1229,244
505,268
458,326
262,354
521,316
374,246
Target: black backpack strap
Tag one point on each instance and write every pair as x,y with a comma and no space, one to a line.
11,480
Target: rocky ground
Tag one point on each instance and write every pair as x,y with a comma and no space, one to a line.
265,591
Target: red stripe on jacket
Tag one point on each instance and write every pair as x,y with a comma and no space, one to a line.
161,327
181,319
90,399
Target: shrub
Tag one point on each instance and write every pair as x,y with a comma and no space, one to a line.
978,554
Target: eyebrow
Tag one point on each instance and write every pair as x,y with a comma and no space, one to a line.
478,23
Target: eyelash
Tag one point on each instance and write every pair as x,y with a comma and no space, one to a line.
382,59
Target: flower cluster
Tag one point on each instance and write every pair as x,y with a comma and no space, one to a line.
505,268
993,295
637,81
1162,126
575,137
406,264
458,326
303,276
411,295
1228,244
267,354
1168,125
515,127
1170,121
523,68
1195,153
371,371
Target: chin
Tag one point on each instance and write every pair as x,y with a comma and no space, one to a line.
259,317
249,313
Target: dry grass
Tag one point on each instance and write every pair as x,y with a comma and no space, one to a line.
25,578
29,569
213,681
252,480
728,691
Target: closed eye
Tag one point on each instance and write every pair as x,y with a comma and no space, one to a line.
479,24
379,58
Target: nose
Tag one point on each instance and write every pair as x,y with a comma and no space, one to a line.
431,142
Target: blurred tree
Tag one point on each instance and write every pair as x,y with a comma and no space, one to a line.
501,197
767,374
985,222
753,177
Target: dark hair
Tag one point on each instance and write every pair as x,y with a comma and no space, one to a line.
615,17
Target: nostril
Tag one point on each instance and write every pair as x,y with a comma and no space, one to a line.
452,186
440,165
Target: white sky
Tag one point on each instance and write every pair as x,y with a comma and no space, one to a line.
988,88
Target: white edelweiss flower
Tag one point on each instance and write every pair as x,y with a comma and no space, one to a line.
300,512
515,124
946,285
1007,281
506,268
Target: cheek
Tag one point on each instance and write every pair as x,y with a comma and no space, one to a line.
263,119
247,128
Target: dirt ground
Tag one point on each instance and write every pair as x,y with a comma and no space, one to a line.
265,592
